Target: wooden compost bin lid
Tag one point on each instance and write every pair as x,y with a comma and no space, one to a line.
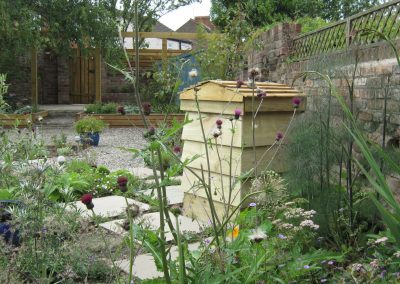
279,96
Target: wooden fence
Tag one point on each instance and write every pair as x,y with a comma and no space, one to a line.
350,32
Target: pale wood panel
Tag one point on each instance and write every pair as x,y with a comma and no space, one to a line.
191,148
191,185
242,160
211,107
267,125
271,104
210,91
278,164
223,91
257,83
198,208
270,92
192,130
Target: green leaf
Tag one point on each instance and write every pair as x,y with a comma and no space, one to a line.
5,194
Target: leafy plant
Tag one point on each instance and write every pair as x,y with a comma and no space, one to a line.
89,124
3,90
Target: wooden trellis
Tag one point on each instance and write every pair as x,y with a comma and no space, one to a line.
350,32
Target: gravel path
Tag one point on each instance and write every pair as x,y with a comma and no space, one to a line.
107,153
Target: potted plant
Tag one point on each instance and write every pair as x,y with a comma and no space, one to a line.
89,129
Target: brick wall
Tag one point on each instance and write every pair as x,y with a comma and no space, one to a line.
375,63
47,78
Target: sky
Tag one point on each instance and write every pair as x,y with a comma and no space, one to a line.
177,18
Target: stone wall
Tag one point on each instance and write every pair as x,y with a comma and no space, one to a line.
376,65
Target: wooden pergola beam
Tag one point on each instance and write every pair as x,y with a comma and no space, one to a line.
162,35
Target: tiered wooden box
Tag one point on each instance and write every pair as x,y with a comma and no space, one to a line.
218,100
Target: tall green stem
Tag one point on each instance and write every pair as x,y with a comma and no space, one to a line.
162,224
164,195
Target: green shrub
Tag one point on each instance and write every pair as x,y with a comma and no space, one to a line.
89,125
93,108
109,108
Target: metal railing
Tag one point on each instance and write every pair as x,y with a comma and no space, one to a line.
349,32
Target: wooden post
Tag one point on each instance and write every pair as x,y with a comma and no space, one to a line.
164,52
34,78
97,63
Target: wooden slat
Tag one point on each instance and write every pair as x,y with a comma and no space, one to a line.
166,35
98,74
190,179
197,207
273,104
34,77
241,158
267,125
191,131
226,108
212,92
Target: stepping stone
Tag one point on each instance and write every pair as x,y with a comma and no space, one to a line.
114,226
174,194
152,221
109,206
152,182
143,172
144,266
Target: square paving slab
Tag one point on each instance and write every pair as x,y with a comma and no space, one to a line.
174,194
144,266
143,172
109,206
152,221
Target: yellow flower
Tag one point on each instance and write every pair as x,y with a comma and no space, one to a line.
235,232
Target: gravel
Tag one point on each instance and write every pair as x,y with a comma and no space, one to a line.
108,152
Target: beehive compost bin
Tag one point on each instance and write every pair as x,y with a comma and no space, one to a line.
219,100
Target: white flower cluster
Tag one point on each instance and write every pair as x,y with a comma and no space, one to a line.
397,254
309,224
309,214
299,213
294,213
287,226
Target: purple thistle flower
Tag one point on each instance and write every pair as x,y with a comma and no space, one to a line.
296,102
306,266
262,94
177,149
219,123
331,262
238,112
239,83
121,110
324,280
279,136
282,237
253,204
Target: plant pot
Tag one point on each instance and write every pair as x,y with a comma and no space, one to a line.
90,138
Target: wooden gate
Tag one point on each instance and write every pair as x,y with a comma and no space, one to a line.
82,78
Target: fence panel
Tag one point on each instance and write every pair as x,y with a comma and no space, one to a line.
350,32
